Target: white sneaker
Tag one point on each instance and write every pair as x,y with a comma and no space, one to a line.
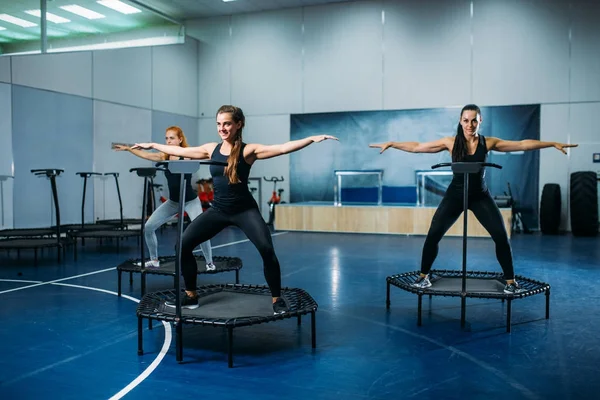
422,282
149,264
211,267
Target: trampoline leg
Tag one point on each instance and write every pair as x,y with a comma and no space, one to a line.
140,338
299,320
508,312
130,278
143,284
179,341
463,311
419,308
34,256
387,296
548,304
58,254
313,329
150,324
237,276
119,280
230,347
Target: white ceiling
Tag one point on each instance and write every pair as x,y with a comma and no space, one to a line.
190,9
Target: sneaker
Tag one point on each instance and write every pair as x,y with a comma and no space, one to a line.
422,282
279,307
188,302
512,288
149,264
211,267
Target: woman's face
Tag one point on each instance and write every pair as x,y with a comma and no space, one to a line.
172,138
227,127
470,121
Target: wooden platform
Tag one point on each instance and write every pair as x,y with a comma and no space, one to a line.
386,219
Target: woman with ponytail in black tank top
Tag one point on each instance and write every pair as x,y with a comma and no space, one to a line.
233,203
469,146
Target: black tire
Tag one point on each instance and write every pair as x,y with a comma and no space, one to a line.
550,209
584,203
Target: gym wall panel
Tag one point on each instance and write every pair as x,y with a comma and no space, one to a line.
267,78
214,63
520,51
343,64
5,69
427,57
50,130
161,121
554,166
118,123
124,76
583,129
175,78
6,157
585,54
270,130
65,73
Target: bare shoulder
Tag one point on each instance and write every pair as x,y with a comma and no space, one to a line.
490,142
449,142
210,147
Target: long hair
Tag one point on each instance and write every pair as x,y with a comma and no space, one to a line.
180,135
232,161
459,150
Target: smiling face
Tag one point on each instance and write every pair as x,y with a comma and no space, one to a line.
470,121
227,127
172,138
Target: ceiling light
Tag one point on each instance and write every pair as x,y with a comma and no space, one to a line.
2,28
119,6
83,12
16,21
227,1
49,16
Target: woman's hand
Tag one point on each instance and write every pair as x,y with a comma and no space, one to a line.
563,146
320,138
143,146
382,146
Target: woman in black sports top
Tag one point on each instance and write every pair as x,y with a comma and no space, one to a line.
233,203
469,146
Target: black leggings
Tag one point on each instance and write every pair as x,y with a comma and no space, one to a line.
487,213
211,222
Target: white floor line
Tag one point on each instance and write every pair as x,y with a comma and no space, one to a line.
58,280
239,241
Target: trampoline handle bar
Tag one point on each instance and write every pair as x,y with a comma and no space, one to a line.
111,173
273,179
485,164
200,162
47,171
82,174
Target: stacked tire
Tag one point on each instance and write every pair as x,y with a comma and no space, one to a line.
550,209
584,203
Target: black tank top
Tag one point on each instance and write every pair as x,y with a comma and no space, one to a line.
174,184
476,181
231,198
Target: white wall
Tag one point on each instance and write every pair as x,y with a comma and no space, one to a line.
5,69
6,158
403,54
127,86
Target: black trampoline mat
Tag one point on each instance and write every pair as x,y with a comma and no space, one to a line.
115,233
445,284
33,243
225,305
117,221
167,265
28,232
90,227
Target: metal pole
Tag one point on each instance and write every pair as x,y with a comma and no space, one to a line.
43,27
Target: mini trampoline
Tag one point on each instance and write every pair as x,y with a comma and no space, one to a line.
167,267
465,284
38,238
482,285
226,306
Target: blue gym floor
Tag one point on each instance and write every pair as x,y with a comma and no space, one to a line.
66,335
